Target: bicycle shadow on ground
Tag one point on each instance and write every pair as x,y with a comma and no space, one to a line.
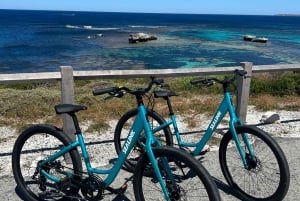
225,188
120,197
19,193
220,184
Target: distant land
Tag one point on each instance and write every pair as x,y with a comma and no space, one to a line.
296,15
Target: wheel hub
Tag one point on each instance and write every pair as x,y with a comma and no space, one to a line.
253,164
174,191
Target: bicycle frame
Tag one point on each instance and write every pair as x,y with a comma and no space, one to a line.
224,107
139,124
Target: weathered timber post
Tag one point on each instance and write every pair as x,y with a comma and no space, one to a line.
243,91
67,97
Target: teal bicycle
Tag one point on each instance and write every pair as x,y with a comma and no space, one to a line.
251,161
47,165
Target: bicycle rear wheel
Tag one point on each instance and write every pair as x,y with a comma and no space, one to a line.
34,145
267,178
122,130
192,181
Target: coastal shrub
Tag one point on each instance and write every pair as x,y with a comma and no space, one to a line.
82,83
182,84
25,103
30,85
259,86
278,85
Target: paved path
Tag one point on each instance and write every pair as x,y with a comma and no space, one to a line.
291,147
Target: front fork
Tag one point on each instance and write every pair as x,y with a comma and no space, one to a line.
170,178
246,152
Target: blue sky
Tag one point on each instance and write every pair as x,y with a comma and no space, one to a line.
261,7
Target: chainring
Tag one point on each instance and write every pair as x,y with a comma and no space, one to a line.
92,188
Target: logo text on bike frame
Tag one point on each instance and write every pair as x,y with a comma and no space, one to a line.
128,141
216,119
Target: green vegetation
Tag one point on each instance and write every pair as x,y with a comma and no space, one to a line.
277,85
24,104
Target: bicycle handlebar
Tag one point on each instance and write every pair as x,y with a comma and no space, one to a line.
212,80
97,92
120,91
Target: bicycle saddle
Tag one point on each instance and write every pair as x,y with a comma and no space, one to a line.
164,94
68,108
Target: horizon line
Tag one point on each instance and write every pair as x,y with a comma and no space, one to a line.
140,12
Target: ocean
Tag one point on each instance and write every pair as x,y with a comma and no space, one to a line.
41,41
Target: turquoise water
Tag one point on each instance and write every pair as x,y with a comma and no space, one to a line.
39,41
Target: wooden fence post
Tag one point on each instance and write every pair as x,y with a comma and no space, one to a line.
67,96
243,91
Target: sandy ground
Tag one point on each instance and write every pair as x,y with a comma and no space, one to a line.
286,133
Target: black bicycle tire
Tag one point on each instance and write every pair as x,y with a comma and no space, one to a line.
25,135
130,166
181,156
283,185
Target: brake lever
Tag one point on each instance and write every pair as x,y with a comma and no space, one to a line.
114,94
208,84
242,73
163,85
108,98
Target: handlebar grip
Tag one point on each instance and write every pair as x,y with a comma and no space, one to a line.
201,80
163,85
241,72
158,81
97,92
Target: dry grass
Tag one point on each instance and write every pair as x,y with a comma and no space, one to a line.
24,104
267,102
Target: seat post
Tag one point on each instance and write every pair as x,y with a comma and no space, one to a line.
76,124
169,105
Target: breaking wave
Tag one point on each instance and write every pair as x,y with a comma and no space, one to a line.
88,27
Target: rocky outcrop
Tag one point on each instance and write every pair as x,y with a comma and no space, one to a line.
255,39
141,37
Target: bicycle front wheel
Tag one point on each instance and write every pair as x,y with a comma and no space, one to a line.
190,181
122,130
34,145
267,177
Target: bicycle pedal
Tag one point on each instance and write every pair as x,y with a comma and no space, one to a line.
64,183
205,149
123,188
118,191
